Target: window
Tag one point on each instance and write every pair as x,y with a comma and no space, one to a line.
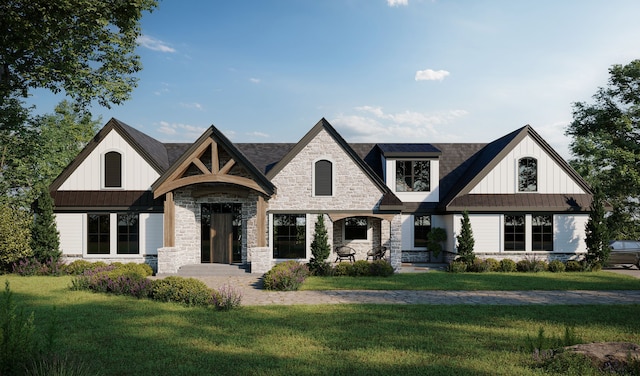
355,228
113,170
528,175
421,228
413,176
514,233
323,184
128,234
289,236
98,234
542,233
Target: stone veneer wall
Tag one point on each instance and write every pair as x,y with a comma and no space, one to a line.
188,232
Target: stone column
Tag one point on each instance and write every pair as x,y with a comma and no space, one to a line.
395,242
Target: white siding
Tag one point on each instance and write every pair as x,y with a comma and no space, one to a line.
151,233
72,229
552,178
569,232
487,231
137,174
431,196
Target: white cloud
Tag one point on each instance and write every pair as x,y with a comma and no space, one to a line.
395,3
431,75
257,134
154,44
372,124
194,105
180,132
255,80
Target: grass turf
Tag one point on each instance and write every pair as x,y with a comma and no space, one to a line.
436,280
118,335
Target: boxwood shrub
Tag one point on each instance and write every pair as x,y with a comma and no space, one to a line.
556,266
507,266
188,291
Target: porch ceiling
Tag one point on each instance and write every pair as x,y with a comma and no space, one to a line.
342,215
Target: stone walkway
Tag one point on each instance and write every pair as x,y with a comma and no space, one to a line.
252,294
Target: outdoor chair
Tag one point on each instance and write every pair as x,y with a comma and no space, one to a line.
345,253
377,253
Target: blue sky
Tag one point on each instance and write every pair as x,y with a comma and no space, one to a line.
377,70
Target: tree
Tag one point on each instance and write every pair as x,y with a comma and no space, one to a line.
45,239
597,235
320,248
33,155
606,146
465,240
85,48
14,235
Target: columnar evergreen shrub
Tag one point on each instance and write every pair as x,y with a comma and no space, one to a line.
286,276
465,240
320,249
45,239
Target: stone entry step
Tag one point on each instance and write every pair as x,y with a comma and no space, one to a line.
203,270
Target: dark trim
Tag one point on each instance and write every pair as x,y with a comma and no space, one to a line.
406,155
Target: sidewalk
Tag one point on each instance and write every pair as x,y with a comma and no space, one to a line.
252,294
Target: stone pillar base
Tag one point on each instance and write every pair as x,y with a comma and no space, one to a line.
260,259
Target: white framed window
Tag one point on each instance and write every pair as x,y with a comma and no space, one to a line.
413,176
527,174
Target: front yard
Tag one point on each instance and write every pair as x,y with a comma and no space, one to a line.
118,335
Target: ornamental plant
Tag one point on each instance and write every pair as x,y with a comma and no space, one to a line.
465,240
320,249
286,276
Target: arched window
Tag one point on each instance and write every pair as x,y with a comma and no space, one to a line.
528,175
323,178
113,170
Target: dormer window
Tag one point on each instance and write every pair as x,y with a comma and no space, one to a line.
323,178
113,170
528,175
413,176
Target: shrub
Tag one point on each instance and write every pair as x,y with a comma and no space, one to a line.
140,269
457,267
479,266
380,268
15,233
17,340
531,265
493,264
286,276
226,298
465,240
360,268
80,266
556,266
507,266
342,269
60,366
120,281
574,266
189,291
320,248
45,239
32,266
321,269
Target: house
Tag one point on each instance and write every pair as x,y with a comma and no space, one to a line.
128,197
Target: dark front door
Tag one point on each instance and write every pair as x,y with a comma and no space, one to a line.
222,237
221,233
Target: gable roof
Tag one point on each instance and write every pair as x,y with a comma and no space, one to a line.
150,149
212,135
487,158
389,200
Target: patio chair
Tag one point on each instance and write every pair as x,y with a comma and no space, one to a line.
345,253
377,253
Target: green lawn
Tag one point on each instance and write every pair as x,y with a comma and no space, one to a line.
602,280
124,336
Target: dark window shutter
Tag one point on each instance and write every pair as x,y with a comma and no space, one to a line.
113,170
324,184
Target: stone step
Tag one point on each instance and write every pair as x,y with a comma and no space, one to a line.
199,270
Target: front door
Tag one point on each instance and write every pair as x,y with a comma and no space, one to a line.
221,239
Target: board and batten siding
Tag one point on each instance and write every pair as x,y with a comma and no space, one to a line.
73,234
137,174
503,179
73,231
487,231
569,233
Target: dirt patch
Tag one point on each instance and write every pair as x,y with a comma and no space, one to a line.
609,356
